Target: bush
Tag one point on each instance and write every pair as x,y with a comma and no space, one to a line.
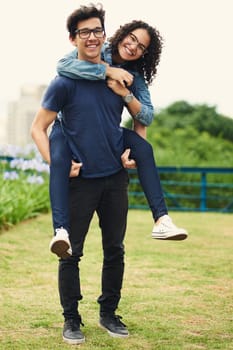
24,186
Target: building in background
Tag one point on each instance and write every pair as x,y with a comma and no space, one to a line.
3,129
21,113
15,126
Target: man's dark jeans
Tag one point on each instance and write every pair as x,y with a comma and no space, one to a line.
107,197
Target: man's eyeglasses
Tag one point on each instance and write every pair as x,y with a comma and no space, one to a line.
134,41
86,33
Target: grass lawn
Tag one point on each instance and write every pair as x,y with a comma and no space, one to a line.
176,295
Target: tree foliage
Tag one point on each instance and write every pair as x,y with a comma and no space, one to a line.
191,135
181,114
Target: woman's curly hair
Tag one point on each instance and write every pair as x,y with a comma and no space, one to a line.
146,64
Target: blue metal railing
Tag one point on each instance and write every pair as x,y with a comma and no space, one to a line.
189,189
186,188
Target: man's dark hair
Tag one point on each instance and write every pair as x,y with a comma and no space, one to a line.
147,64
83,13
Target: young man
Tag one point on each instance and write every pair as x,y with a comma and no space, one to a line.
91,116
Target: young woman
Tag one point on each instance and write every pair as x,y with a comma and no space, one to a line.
130,60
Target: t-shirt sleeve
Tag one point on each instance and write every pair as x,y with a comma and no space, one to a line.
55,96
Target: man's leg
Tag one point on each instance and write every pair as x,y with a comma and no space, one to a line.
83,201
112,214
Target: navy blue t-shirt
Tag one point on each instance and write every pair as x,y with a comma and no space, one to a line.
91,117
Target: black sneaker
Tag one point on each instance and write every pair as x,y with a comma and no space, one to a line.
71,331
112,323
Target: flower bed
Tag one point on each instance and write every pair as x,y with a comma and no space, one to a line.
24,184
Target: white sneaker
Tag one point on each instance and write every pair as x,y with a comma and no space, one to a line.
60,244
165,229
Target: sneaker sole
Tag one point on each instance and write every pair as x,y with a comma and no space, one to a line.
114,335
60,248
73,341
177,237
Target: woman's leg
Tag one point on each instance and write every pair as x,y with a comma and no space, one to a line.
61,158
142,153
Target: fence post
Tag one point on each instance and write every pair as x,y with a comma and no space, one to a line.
203,192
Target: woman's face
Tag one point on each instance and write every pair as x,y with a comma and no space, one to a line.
134,45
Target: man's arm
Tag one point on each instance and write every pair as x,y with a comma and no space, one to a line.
128,162
39,131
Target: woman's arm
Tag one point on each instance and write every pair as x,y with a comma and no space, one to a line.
139,128
141,112
145,114
140,107
71,67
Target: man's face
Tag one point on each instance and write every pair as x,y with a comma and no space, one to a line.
89,39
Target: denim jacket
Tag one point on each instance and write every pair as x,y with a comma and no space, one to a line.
73,68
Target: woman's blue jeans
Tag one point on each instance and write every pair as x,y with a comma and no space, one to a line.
61,156
142,153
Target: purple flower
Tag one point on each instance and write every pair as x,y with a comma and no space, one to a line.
10,175
33,179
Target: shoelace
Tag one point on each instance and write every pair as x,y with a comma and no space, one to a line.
167,223
75,323
80,321
118,319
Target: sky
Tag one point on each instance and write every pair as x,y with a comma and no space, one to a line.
196,61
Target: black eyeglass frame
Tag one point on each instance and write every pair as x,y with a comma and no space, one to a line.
140,46
85,33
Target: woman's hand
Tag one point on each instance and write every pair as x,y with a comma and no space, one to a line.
117,87
119,74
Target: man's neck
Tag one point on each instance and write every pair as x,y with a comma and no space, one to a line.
90,59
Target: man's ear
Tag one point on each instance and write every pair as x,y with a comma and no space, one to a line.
72,40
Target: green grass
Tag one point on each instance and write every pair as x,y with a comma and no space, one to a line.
176,295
